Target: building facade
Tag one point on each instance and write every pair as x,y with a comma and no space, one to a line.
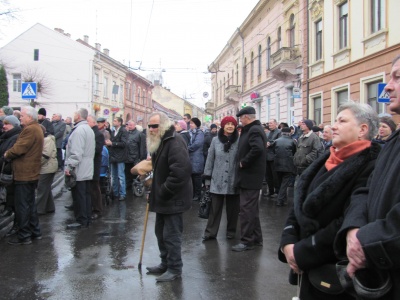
350,51
261,65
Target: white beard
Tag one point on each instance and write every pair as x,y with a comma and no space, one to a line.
153,142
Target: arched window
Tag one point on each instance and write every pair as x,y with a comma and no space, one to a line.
268,53
259,60
292,31
252,67
279,38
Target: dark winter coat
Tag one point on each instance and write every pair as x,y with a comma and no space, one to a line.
171,190
272,136
375,209
320,200
136,144
196,151
99,138
252,156
59,132
48,125
208,137
186,136
284,148
118,149
7,140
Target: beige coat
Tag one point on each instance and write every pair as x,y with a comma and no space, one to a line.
49,156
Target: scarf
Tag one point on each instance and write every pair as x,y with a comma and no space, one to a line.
337,157
227,140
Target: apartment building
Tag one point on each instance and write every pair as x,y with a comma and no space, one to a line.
261,65
351,46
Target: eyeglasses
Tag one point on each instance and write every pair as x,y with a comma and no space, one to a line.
154,126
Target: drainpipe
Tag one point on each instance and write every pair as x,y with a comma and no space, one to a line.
308,59
241,36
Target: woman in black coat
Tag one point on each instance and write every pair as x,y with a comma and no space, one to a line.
323,193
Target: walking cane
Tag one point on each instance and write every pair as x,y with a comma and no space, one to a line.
144,232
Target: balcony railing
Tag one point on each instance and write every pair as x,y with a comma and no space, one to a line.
284,62
210,107
232,93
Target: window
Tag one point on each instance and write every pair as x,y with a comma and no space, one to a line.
372,93
268,53
342,97
121,88
36,54
377,15
144,93
245,71
343,25
317,110
17,82
138,96
278,106
237,74
318,40
114,91
291,32
96,84
105,88
128,91
252,67
279,38
259,60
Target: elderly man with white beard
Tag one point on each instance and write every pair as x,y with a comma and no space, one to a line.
171,193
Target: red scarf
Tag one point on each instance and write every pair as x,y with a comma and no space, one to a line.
337,157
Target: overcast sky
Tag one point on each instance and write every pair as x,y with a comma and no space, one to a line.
181,36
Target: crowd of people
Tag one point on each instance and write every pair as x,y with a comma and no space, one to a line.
344,222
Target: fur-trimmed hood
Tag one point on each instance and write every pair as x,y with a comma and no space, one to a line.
307,206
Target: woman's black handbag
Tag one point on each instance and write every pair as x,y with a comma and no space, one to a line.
5,178
205,204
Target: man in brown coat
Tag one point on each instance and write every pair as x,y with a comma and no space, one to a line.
26,160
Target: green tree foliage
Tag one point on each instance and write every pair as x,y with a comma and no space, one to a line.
3,87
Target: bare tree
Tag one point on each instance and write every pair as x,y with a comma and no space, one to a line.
43,83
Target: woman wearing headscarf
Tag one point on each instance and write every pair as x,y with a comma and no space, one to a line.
220,176
49,167
181,128
386,127
323,193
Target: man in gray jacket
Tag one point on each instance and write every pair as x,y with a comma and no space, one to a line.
59,134
308,147
79,162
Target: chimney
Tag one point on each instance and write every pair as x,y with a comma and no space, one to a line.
98,46
59,30
106,51
86,39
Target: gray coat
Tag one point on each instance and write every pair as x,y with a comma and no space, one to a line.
221,167
59,132
80,151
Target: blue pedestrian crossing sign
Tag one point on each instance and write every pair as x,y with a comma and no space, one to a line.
383,96
29,90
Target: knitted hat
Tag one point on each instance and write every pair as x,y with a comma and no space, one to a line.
196,121
389,122
13,120
182,124
8,111
227,120
213,126
42,111
317,129
308,123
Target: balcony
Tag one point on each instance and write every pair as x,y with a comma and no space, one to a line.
285,62
232,93
210,108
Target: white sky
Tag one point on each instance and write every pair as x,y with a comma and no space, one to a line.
181,36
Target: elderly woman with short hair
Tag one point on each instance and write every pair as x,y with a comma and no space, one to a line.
323,194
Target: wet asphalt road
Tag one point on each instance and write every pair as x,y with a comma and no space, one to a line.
101,262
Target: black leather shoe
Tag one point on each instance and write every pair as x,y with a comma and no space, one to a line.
17,241
74,226
258,244
69,207
36,237
242,247
280,204
207,238
13,231
96,216
230,236
157,269
168,276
